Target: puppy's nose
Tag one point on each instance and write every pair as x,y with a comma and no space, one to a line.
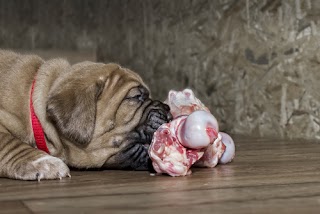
165,110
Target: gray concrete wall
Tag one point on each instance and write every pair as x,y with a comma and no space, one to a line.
254,63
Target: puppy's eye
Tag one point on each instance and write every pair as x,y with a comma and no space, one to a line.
136,94
133,94
136,97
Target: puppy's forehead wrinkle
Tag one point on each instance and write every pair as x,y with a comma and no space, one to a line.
118,79
88,70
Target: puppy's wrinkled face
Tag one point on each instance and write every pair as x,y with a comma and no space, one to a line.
134,153
105,115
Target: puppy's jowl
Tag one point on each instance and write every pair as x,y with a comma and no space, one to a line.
88,115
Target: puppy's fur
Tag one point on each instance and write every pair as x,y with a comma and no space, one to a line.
94,115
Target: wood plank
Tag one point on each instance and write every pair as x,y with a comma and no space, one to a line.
266,176
102,205
225,199
100,183
13,207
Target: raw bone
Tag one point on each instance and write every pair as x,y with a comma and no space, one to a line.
184,103
230,152
222,150
198,130
168,155
191,137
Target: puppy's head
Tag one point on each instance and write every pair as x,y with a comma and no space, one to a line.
105,116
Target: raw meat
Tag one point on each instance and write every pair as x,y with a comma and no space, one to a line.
174,150
168,155
192,137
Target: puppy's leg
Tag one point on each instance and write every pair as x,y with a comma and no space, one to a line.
18,160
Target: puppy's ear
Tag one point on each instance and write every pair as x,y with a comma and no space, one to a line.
73,110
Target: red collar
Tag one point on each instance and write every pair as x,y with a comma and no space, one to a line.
36,126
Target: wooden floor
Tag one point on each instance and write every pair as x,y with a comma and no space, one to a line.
266,177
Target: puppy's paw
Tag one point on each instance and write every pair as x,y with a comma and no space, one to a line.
45,167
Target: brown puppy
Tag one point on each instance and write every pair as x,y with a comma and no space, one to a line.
93,115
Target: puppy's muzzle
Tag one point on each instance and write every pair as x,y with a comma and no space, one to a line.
157,114
135,154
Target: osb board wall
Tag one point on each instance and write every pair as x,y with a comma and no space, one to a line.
254,63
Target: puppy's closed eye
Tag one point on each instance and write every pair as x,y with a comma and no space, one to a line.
138,94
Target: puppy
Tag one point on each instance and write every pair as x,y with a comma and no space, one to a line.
88,115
